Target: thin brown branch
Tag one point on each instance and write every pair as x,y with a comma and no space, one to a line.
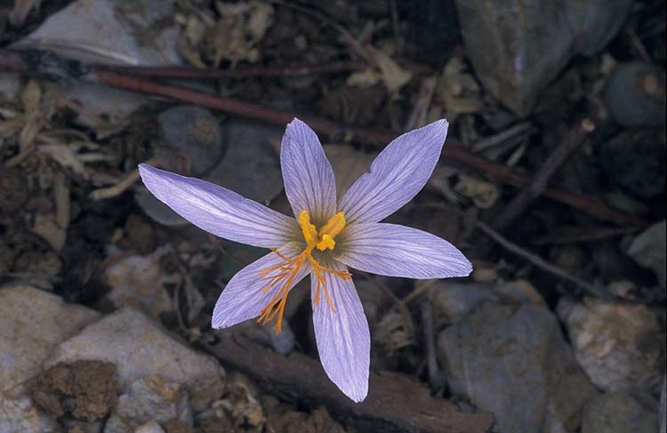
539,262
395,403
568,235
245,72
536,260
47,66
538,185
124,184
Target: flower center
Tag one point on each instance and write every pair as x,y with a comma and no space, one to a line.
283,275
324,238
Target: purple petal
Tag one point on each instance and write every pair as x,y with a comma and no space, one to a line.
307,173
343,338
399,251
243,296
398,173
218,210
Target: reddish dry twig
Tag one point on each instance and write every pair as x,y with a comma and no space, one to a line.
213,74
539,262
536,187
33,64
569,235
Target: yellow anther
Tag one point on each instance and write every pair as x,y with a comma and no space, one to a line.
326,242
334,226
308,229
324,239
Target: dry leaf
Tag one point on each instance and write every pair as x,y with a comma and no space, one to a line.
393,76
363,79
482,193
260,20
61,197
138,281
239,30
458,90
395,331
30,98
65,156
47,227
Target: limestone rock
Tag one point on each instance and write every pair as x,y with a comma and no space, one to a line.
138,281
648,249
619,345
514,362
21,415
662,415
33,322
621,412
453,301
113,29
149,399
517,47
140,347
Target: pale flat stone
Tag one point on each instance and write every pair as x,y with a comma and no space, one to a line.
21,415
513,361
621,412
138,281
150,427
150,400
621,346
452,301
140,347
33,322
111,31
648,249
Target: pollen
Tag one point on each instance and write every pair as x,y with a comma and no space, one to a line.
281,277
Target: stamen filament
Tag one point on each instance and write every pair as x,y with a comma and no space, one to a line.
283,274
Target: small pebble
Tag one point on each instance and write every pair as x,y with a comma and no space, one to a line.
635,94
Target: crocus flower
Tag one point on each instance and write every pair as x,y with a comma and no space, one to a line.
327,237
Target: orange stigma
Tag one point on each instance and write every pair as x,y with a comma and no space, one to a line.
283,275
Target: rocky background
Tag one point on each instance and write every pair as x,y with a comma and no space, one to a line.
552,182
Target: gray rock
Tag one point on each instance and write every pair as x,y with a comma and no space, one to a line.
149,399
138,281
514,362
21,415
620,346
110,31
139,347
649,250
250,166
188,131
635,94
634,161
662,416
33,322
158,211
150,427
195,132
453,301
82,426
517,47
141,33
621,412
10,87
